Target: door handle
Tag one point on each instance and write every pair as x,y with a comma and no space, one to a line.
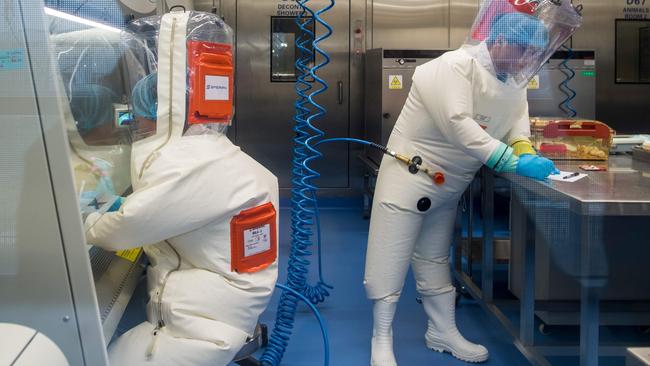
340,86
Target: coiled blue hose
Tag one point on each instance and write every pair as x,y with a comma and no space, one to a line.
321,322
304,207
303,199
570,94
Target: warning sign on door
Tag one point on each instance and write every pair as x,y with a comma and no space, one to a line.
395,82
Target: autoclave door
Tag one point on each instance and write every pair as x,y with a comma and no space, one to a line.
266,55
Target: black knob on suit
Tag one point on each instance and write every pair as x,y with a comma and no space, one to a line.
424,204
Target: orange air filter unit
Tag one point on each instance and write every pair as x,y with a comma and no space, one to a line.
211,79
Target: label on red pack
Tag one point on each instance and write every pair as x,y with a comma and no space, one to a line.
257,240
217,87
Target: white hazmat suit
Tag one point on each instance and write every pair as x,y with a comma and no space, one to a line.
460,113
412,219
188,189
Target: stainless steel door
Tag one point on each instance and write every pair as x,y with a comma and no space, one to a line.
410,24
624,107
264,108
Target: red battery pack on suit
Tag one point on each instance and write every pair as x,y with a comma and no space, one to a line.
253,239
211,82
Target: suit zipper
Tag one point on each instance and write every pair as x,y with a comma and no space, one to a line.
161,321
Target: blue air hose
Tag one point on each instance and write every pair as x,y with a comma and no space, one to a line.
570,94
304,203
321,322
347,139
304,207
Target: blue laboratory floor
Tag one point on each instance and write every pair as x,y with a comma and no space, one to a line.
348,313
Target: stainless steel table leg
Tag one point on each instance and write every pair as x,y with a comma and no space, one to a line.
593,275
589,319
487,276
527,301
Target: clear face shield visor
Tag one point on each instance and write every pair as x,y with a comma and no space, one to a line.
523,34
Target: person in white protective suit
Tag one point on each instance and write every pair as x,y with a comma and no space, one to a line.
204,211
460,110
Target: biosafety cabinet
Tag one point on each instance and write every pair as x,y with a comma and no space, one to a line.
65,152
50,280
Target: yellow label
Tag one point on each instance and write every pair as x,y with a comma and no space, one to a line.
130,255
395,82
533,84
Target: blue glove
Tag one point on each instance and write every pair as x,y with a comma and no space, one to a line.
535,167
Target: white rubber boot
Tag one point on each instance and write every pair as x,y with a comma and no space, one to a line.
442,334
382,332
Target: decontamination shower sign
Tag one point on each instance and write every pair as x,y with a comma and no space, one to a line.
288,8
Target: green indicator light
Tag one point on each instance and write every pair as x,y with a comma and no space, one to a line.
589,73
